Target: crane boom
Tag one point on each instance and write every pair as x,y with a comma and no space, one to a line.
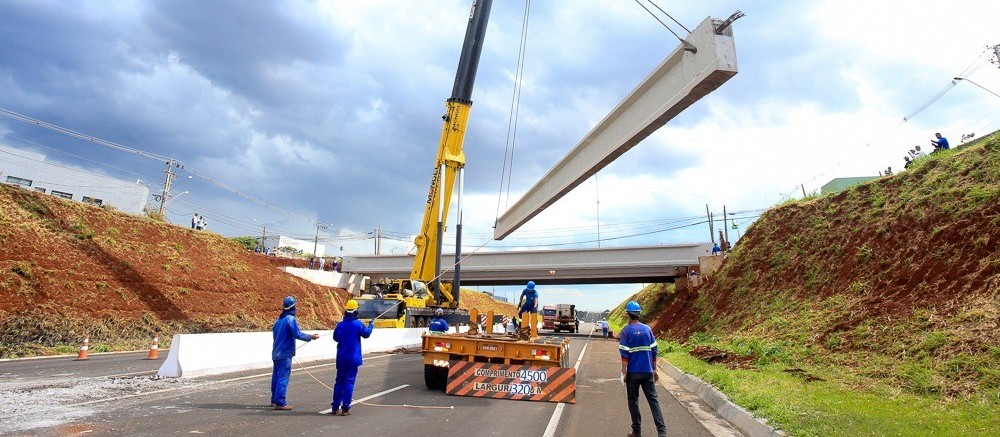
449,165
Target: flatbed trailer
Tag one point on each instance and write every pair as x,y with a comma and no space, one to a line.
440,350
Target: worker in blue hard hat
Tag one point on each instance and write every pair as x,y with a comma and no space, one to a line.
529,300
438,324
348,335
638,350
285,332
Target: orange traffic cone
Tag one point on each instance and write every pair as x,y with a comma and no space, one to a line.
154,350
84,350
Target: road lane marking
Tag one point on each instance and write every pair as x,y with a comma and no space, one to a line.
206,384
358,401
550,429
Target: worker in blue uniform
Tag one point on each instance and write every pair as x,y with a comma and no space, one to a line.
285,332
438,324
348,335
529,300
638,350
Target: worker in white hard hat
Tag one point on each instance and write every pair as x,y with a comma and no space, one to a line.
438,324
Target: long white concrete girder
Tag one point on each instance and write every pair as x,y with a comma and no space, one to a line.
681,79
565,266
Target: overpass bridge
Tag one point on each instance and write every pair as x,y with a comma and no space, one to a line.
610,265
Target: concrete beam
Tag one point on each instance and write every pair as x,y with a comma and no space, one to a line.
613,265
681,79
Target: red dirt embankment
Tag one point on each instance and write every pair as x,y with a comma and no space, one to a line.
923,239
68,269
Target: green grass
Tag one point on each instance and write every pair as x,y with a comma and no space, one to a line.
829,408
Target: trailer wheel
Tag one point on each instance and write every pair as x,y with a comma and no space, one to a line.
435,377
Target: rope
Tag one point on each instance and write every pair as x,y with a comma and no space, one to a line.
425,407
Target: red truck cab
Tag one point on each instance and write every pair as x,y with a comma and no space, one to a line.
549,317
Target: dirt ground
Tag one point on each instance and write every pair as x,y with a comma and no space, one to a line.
68,270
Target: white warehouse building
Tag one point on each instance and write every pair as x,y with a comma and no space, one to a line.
272,242
30,171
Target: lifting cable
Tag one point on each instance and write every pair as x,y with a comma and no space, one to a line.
682,40
512,118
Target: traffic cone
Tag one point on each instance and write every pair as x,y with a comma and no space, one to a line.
84,350
154,350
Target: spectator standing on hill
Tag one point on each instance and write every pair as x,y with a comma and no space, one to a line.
322,261
312,262
638,349
716,249
285,332
941,143
194,220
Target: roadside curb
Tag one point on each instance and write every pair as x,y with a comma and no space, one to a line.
739,417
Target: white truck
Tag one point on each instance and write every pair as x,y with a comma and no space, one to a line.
566,319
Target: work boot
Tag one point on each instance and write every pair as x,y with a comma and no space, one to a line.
282,408
344,413
633,434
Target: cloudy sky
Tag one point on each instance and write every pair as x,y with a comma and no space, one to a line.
330,110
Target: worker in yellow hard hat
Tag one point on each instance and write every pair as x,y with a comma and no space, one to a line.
348,335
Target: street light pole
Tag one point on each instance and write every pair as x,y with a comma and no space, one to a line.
978,85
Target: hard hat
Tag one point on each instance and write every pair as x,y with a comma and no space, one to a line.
633,307
531,285
439,312
288,303
352,305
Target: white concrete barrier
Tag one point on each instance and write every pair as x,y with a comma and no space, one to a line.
321,277
208,354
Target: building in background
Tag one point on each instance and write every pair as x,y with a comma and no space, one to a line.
272,242
840,184
30,171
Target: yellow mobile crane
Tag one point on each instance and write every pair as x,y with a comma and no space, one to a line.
411,302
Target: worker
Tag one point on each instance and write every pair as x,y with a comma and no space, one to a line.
638,350
348,335
438,324
604,327
284,332
529,300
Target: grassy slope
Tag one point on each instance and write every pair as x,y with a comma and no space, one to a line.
68,269
888,292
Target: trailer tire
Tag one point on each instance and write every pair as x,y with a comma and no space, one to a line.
435,377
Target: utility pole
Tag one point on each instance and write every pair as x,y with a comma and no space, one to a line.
724,225
263,237
377,232
996,53
316,239
803,190
166,185
711,232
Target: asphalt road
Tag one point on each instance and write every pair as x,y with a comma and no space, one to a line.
395,401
